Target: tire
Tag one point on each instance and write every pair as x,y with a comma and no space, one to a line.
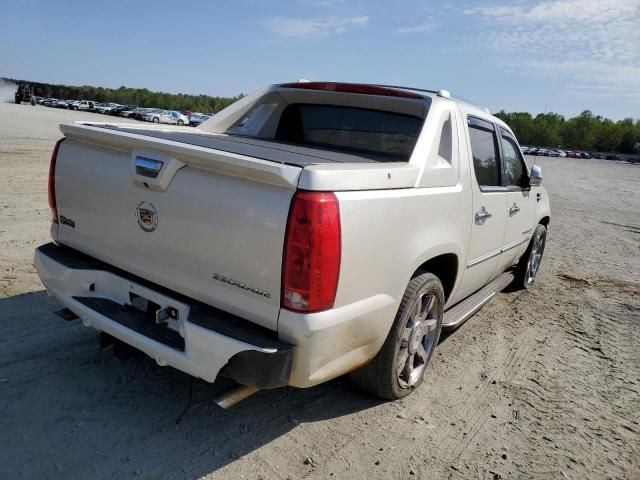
155,120
393,373
180,123
529,264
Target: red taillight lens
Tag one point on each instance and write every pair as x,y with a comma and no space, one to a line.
311,262
52,182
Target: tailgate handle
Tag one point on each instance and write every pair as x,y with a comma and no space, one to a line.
148,167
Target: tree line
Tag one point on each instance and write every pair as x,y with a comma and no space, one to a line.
140,97
585,132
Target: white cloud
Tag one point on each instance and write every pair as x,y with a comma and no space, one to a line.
596,40
314,27
427,26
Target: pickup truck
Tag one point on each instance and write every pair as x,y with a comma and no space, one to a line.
84,105
307,231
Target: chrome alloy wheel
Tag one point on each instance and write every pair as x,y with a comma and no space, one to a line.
535,257
418,340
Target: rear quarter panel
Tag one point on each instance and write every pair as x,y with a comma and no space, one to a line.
387,235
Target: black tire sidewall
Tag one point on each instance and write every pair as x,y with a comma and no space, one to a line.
523,267
425,283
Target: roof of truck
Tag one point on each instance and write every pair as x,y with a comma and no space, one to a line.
380,89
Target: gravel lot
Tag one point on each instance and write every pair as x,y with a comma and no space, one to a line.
539,384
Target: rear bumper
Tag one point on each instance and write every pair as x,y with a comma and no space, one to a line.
202,341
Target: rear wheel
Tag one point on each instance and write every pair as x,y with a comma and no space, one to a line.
180,122
530,262
400,366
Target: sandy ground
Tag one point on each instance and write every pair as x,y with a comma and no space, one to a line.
539,384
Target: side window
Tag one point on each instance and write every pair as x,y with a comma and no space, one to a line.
484,148
445,148
514,170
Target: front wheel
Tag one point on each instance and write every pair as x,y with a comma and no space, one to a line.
400,366
180,122
156,119
529,264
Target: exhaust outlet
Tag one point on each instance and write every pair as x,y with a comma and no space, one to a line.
231,397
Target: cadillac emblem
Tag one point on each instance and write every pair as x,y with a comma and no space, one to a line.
147,216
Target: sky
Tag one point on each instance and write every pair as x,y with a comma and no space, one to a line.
561,56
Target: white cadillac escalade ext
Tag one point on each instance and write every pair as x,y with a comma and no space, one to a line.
308,230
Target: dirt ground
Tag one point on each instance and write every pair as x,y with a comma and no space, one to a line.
539,384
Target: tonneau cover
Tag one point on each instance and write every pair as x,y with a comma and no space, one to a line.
271,150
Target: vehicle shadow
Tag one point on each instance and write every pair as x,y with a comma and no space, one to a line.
72,410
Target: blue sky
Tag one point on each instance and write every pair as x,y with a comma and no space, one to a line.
526,55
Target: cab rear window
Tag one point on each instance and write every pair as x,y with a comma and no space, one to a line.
353,129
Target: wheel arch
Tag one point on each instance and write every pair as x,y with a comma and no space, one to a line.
445,267
545,221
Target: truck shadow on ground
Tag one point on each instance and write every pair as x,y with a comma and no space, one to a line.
72,410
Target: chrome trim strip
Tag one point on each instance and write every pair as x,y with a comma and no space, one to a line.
514,244
492,254
484,257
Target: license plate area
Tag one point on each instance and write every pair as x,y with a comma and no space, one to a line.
167,316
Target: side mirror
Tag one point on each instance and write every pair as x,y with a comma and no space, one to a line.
535,179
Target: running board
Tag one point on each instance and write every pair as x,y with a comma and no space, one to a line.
463,311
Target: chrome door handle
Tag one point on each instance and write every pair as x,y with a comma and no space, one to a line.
513,209
148,167
482,216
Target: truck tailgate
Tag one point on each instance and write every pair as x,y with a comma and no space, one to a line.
210,226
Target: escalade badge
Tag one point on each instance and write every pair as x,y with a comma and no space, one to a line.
147,216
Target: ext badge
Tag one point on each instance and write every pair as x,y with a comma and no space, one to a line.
147,216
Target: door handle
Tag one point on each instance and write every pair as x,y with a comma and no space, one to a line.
482,216
148,167
513,209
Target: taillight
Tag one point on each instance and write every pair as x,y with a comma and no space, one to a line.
311,261
52,182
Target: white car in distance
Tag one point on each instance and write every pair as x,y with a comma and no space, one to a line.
106,107
167,116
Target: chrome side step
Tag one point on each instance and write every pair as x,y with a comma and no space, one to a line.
463,311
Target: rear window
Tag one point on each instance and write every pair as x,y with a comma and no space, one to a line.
353,129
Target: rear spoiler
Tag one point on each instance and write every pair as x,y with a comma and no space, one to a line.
201,157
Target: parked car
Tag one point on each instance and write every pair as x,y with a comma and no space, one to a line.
195,120
60,104
130,112
585,155
304,253
141,113
106,107
167,116
72,103
117,111
49,102
86,105
553,153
